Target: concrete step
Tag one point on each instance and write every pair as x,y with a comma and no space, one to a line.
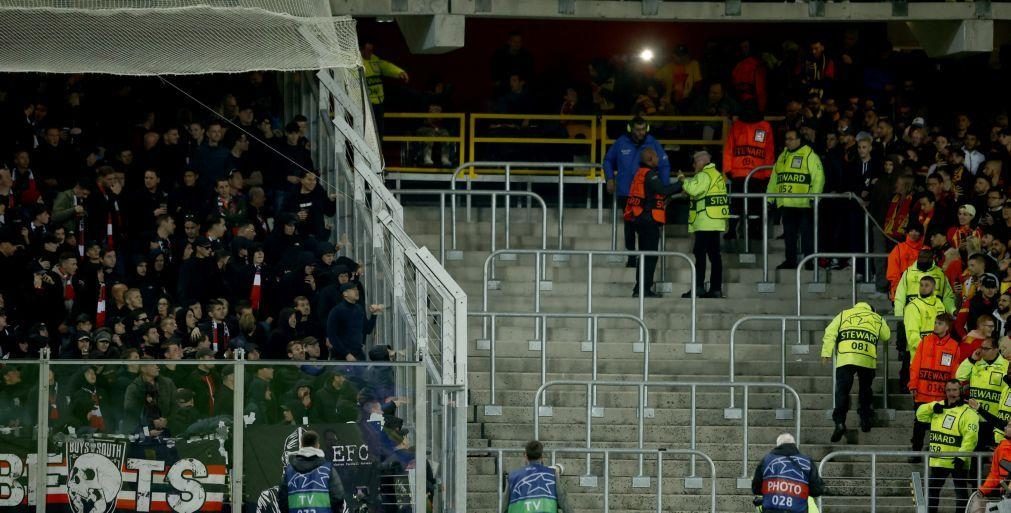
618,302
660,399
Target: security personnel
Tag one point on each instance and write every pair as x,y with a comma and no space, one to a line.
853,336
985,371
786,479
707,219
310,483
375,70
954,427
919,314
750,144
908,284
623,161
535,488
646,210
798,170
933,366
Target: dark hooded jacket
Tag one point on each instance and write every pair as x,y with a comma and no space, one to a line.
304,461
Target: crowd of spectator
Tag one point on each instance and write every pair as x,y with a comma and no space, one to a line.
134,225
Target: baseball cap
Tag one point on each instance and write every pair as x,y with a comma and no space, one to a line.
83,335
202,242
989,281
348,286
919,121
971,210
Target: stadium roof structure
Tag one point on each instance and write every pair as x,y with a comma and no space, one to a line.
173,37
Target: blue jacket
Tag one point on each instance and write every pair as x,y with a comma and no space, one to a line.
346,328
623,159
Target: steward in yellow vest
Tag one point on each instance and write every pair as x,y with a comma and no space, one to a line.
919,313
954,427
985,371
707,218
853,336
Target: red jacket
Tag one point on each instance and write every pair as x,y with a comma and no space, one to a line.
935,362
902,256
997,474
748,146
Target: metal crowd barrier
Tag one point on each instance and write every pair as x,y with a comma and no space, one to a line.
456,254
589,142
605,140
746,217
783,413
691,347
509,168
541,345
590,481
642,411
873,475
853,269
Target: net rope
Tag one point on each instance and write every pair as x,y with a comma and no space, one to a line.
173,37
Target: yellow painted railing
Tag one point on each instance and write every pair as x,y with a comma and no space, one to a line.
692,121
586,134
573,125
459,140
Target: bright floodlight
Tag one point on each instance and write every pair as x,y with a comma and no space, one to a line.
646,55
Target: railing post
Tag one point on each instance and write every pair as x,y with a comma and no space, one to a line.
589,424
693,427
659,479
442,229
614,220
238,427
561,204
508,204
537,297
642,424
589,295
743,481
766,286
641,286
817,201
492,408
853,286
874,483
494,208
42,435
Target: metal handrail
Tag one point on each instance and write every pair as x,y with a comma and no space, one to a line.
589,254
607,452
494,409
732,412
642,410
853,260
924,455
494,194
745,216
508,166
918,497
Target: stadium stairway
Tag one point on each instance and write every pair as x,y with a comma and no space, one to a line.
758,359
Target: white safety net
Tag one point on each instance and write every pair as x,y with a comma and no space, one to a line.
152,37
